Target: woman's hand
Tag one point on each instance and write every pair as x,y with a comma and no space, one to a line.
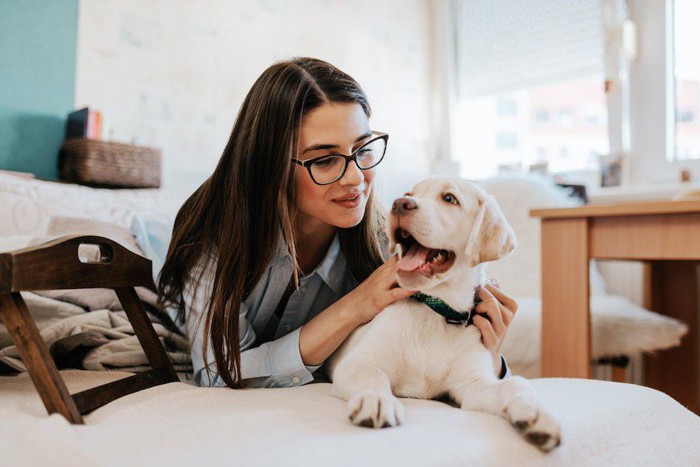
495,313
377,291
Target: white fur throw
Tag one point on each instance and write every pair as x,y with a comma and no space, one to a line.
618,327
520,273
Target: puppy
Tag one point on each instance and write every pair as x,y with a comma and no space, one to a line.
446,229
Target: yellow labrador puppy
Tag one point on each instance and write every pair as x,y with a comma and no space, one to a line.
445,230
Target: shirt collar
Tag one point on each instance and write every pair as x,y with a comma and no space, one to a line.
331,267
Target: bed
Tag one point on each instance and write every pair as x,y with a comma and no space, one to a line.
603,423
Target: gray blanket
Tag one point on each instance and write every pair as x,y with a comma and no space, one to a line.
96,340
88,328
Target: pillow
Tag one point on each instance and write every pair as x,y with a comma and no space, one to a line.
153,237
22,216
65,225
99,298
14,242
41,199
520,272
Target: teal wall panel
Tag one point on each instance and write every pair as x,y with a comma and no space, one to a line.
37,81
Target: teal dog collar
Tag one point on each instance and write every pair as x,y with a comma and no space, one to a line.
451,315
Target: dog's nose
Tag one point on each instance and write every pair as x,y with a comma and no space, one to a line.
403,205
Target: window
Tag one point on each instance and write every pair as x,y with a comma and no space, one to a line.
686,74
542,116
507,140
530,78
663,112
507,108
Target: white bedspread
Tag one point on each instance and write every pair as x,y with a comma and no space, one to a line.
179,424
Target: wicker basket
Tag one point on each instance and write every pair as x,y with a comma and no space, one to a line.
108,164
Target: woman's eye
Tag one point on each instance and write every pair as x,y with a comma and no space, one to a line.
450,198
323,162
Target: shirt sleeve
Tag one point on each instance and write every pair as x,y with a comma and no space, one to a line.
505,371
277,363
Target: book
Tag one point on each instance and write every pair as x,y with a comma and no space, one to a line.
84,123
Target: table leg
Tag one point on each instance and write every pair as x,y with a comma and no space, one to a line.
566,331
671,289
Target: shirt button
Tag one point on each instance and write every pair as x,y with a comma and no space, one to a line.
296,380
288,327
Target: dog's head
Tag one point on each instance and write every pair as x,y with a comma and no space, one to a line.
445,226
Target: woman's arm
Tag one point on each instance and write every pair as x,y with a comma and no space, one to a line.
291,359
325,332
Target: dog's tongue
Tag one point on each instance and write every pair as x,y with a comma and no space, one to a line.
413,258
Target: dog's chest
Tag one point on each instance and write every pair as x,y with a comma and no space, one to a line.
416,347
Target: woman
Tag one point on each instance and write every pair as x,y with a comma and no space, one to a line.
280,254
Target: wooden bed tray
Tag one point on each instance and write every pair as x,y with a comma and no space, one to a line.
56,265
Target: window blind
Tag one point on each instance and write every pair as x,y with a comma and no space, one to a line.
505,45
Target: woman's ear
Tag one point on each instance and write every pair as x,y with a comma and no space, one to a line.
491,237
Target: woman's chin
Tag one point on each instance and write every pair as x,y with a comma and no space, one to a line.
349,217
347,221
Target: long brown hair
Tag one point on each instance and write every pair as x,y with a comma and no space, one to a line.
237,213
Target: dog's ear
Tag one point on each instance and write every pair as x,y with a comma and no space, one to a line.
491,236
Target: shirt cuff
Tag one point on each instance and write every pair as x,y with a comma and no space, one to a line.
285,361
313,368
505,371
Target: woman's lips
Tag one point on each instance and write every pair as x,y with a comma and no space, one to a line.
349,203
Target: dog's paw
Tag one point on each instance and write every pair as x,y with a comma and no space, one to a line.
536,424
545,433
375,409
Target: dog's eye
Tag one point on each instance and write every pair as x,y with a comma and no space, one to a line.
450,198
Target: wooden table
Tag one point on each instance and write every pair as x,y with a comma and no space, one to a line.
666,236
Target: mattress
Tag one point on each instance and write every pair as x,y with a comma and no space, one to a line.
603,423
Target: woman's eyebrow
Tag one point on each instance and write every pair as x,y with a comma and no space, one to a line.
316,147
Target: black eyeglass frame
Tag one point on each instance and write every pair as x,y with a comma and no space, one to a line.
352,157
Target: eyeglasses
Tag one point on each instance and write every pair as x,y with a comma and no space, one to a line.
325,170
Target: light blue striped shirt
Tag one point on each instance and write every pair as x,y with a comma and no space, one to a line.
277,363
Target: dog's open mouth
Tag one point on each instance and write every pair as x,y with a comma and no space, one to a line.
418,258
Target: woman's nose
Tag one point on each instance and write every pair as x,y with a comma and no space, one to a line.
353,175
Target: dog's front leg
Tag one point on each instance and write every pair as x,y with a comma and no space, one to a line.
367,389
515,400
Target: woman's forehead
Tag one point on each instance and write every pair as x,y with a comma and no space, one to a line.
333,123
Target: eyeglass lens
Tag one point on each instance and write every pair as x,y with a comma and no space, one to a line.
330,168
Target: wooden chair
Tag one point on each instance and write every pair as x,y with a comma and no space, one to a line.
56,265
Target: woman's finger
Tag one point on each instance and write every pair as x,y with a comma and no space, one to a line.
493,310
488,336
398,292
507,301
507,316
485,293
